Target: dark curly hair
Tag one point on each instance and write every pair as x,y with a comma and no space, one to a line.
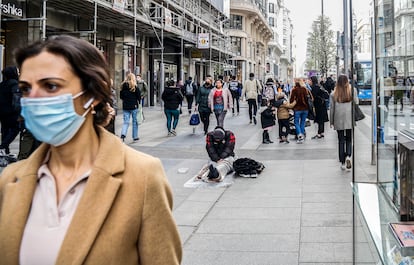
87,63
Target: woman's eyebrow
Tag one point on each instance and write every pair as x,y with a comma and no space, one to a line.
43,80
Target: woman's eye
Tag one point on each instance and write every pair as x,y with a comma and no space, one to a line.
51,86
25,89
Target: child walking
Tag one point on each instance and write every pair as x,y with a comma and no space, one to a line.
283,107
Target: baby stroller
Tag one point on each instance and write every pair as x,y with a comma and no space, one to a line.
292,127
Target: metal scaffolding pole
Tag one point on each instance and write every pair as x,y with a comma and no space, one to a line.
44,20
345,48
135,37
182,45
162,68
95,22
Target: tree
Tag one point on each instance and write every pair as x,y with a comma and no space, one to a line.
321,48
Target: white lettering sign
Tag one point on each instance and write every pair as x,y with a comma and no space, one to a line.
11,9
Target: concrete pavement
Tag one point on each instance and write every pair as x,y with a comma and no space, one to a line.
298,211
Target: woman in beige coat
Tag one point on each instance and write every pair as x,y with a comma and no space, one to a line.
82,197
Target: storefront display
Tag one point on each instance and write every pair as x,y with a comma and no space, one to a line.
386,207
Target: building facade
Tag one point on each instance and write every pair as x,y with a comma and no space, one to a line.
249,34
287,60
158,39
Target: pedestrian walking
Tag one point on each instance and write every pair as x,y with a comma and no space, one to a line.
235,88
172,98
131,98
270,91
321,113
190,93
9,112
202,102
82,182
299,94
143,89
329,84
220,101
341,118
251,89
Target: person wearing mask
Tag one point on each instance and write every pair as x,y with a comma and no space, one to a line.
341,119
251,89
321,113
131,97
172,98
299,94
220,101
81,182
202,102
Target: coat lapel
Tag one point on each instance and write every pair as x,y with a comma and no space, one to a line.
17,201
96,201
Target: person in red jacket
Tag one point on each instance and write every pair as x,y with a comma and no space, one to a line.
220,148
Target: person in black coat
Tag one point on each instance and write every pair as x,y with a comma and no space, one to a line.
172,98
131,97
9,112
267,117
321,113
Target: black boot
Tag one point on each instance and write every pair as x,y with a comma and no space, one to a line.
265,138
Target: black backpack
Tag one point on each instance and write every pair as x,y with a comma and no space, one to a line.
247,166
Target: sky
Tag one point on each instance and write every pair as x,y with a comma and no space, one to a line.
304,12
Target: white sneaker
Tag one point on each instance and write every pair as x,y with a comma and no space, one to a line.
348,162
2,152
343,167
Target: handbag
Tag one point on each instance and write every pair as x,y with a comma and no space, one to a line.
195,119
311,108
358,114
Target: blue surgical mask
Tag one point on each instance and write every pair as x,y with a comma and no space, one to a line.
53,120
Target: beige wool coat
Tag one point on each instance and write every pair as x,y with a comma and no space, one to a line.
124,215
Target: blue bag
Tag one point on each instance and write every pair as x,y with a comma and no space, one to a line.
195,119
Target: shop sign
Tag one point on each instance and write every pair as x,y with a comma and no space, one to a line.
119,5
203,41
12,9
168,18
196,54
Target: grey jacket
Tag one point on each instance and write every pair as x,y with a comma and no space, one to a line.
340,114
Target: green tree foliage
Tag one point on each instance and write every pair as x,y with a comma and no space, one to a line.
320,46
